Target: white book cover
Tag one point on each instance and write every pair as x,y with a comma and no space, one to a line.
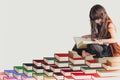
82,42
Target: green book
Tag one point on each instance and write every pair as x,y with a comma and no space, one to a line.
19,69
88,70
28,72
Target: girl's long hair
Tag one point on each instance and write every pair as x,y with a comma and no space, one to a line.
99,12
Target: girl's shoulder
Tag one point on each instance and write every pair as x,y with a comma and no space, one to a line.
111,26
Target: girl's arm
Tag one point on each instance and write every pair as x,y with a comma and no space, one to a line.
112,31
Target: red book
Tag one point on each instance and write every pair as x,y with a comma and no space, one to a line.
81,76
58,76
38,62
55,68
93,63
62,56
68,72
68,78
76,61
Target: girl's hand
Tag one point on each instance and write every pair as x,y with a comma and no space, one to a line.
98,41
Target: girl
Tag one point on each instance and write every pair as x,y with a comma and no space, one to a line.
102,31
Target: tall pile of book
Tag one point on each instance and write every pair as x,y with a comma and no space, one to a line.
62,66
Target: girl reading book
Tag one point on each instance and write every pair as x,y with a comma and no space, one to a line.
103,33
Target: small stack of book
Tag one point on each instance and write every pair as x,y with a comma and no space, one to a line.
61,59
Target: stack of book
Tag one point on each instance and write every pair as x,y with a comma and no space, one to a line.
64,67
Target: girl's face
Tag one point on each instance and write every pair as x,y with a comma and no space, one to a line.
98,21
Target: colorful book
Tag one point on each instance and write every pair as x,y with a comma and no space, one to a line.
28,72
79,76
18,76
76,61
113,63
48,77
58,76
98,77
68,78
104,73
88,70
28,66
55,68
19,69
46,66
74,54
28,78
9,72
38,62
38,69
77,67
2,75
62,56
108,67
68,72
48,72
93,63
38,76
9,78
49,60
62,64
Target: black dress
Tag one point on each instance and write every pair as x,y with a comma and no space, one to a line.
97,50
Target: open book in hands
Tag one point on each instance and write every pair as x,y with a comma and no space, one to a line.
82,42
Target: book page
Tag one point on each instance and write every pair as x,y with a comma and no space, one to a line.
82,42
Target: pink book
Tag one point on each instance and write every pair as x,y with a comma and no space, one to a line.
2,75
9,78
27,78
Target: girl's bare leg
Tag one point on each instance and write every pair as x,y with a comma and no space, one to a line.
84,53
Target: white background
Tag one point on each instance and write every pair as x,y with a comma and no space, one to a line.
33,29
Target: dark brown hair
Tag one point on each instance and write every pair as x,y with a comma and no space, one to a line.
99,12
